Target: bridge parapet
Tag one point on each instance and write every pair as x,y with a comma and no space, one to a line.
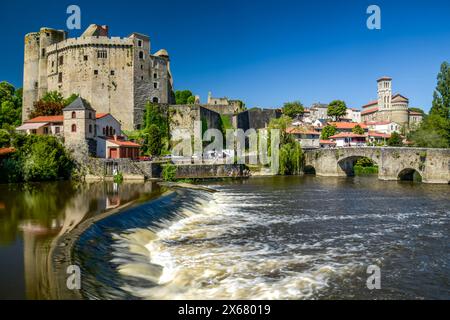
433,165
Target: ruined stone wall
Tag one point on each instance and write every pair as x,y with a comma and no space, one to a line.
256,118
184,117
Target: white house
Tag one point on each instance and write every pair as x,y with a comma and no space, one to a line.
387,127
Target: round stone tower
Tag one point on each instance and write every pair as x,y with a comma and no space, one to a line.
30,73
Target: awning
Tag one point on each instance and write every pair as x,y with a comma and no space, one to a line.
31,126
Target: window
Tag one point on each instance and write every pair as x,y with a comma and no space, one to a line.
61,60
142,67
141,55
102,54
155,85
90,115
45,130
57,130
90,128
74,128
60,77
155,100
155,76
96,72
140,43
43,53
142,77
74,114
104,131
112,72
53,64
85,58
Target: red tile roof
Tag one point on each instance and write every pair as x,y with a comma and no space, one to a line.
371,103
347,135
368,111
124,143
101,115
347,125
327,142
5,151
378,134
301,131
46,119
414,113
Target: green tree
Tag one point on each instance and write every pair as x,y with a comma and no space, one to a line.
282,124
441,96
293,109
5,138
190,100
154,140
328,131
70,99
182,96
419,110
10,105
51,104
53,96
358,130
337,109
395,140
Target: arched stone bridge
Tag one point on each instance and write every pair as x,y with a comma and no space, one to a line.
394,163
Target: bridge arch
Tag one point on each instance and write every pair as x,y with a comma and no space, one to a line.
347,164
309,169
409,174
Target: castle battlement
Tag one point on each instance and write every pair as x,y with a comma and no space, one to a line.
115,75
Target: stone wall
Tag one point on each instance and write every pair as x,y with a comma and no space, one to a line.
255,118
205,171
433,165
184,117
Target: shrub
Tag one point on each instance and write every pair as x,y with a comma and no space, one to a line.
169,172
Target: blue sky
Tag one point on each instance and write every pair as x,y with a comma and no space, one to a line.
264,52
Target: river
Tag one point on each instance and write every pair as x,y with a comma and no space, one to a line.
260,238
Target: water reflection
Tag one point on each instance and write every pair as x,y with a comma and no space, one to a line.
34,216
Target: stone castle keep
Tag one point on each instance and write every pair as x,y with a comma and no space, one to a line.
116,75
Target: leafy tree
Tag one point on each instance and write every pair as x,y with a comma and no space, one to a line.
441,96
358,130
434,131
181,97
291,156
282,123
154,140
10,105
51,104
5,138
293,109
365,162
419,110
395,140
38,158
190,100
337,109
328,131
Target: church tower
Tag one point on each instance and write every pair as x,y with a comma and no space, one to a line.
384,93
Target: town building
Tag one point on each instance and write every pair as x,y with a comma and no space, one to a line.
352,115
307,138
348,126
85,131
116,75
349,139
387,127
389,107
377,138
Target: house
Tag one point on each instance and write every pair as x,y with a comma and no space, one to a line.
117,148
379,138
327,144
306,137
353,115
387,127
347,126
81,126
349,139
43,125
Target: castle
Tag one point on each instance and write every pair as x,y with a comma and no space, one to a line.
116,75
388,107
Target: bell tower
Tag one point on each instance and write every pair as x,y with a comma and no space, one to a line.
384,93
